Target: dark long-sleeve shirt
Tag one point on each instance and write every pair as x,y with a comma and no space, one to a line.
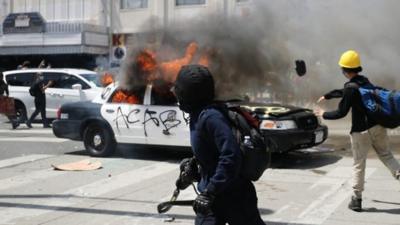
3,88
351,98
216,150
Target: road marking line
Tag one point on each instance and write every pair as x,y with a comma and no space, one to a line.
33,139
320,209
335,175
94,189
283,208
27,131
27,178
23,159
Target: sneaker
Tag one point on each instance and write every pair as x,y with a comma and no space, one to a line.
28,124
355,204
14,125
46,126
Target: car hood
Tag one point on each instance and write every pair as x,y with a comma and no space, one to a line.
273,110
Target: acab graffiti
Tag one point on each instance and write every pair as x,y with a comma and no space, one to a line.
167,119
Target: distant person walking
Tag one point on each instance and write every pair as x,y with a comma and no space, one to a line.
25,65
3,86
38,91
4,92
364,130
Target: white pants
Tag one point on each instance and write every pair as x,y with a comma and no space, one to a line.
360,144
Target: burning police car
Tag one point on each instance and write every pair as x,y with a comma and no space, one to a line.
149,115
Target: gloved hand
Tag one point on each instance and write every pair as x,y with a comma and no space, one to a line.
203,203
189,173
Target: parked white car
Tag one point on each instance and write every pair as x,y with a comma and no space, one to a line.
70,85
149,115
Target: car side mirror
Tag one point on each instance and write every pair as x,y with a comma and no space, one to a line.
77,87
301,69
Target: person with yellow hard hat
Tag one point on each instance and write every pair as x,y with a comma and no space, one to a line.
364,130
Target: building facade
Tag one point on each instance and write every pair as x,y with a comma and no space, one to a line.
86,33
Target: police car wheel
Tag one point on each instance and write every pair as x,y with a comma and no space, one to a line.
98,140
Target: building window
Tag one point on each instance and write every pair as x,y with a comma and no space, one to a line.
190,2
134,4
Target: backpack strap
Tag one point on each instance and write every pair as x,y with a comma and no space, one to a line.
392,101
352,85
236,121
366,85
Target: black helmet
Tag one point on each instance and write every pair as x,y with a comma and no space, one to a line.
194,87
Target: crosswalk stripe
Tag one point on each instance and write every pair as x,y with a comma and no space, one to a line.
28,178
23,159
90,190
320,209
26,131
33,139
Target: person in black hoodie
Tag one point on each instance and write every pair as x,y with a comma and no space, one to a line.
363,127
225,196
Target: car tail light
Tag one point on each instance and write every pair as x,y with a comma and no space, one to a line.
59,113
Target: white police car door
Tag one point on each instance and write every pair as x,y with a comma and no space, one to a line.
125,119
165,123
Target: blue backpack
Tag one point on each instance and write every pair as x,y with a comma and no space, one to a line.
381,105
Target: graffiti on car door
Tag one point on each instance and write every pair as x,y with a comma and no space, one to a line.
126,118
168,119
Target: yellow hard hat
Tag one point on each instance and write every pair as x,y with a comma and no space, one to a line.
350,59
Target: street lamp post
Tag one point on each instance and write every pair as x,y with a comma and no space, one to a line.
110,13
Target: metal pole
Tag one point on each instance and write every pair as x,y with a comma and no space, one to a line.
110,12
83,11
12,6
226,8
166,11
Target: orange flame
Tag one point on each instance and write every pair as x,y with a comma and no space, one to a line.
146,61
171,69
204,60
122,96
107,79
147,64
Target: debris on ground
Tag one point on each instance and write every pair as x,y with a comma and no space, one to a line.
83,165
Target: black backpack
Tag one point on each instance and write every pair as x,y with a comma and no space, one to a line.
33,90
256,149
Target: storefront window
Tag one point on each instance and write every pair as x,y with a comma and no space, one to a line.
190,2
134,4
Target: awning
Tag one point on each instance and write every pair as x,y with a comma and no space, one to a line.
53,50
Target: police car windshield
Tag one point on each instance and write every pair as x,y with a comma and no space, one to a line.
92,78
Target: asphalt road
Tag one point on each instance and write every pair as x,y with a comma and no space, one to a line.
307,187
